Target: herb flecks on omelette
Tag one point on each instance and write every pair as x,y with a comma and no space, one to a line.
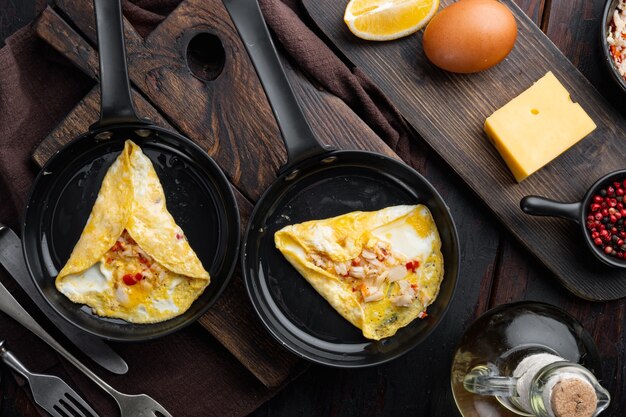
132,260
380,270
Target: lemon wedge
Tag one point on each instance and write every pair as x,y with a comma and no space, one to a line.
383,20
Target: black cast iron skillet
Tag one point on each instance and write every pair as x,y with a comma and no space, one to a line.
62,196
318,183
577,212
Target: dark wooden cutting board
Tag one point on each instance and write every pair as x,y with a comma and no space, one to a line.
448,111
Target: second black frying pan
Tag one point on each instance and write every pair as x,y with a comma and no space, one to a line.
198,194
318,183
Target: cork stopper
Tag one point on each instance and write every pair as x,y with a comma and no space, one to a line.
572,397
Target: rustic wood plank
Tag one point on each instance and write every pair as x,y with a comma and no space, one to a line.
13,15
228,116
57,33
233,322
53,29
454,131
574,26
81,117
580,18
267,360
534,9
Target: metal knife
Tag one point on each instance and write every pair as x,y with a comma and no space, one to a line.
12,258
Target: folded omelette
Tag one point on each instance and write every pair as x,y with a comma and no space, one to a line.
379,270
132,260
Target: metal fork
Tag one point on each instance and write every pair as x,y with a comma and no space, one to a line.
50,392
130,405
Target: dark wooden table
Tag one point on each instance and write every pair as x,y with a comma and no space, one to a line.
496,271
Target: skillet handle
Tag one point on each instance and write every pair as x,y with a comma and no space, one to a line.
299,139
116,103
539,206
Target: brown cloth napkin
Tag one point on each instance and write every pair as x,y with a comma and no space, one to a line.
189,372
294,31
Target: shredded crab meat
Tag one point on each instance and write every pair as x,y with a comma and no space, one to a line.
121,295
127,258
373,273
380,278
407,295
616,38
374,296
357,272
341,269
397,273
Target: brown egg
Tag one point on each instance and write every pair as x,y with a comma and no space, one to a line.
470,36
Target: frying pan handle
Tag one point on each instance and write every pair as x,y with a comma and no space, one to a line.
116,103
539,206
297,134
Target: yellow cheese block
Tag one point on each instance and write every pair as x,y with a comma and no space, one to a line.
537,126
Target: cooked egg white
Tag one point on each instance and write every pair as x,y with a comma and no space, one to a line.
153,299
379,270
410,236
93,279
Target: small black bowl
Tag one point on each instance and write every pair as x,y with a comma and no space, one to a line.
577,211
607,18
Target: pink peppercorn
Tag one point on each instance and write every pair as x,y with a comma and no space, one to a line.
606,219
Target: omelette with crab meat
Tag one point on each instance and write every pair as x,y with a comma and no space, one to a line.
380,270
132,260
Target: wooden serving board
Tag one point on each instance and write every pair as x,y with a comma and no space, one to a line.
448,111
